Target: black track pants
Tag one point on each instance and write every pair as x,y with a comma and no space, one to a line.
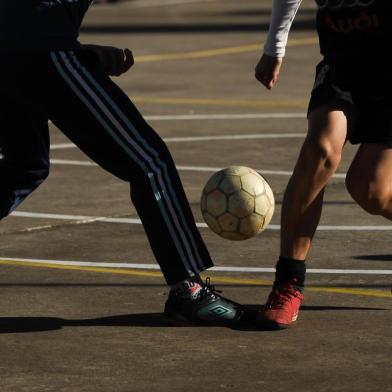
72,91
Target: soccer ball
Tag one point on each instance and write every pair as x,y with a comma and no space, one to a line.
237,203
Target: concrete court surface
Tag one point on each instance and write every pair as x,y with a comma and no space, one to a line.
93,328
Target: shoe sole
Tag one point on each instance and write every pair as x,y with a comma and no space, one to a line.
273,325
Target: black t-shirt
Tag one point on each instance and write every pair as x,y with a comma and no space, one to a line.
354,28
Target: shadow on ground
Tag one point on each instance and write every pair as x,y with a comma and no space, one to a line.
374,257
39,324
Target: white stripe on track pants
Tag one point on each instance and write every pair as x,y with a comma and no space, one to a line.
72,91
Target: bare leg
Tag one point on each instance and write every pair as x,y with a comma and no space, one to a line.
302,203
369,179
318,160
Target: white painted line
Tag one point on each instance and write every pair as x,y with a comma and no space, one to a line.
187,168
269,172
220,269
199,168
223,116
62,146
146,4
354,228
72,162
199,117
189,139
25,214
38,215
308,270
265,172
235,137
241,116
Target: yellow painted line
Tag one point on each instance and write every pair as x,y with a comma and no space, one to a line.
249,103
219,279
351,291
337,290
242,281
303,41
199,54
88,269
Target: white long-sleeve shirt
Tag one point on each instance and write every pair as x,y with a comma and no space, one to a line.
283,13
346,28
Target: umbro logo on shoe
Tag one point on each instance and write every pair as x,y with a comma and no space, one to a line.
207,307
220,310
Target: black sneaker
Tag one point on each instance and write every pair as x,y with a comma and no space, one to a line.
207,307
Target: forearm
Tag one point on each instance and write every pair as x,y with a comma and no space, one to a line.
114,61
283,13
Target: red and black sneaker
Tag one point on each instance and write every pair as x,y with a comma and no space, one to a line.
282,307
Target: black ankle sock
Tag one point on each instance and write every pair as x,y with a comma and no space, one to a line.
290,270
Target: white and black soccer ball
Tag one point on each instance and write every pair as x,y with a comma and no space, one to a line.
237,203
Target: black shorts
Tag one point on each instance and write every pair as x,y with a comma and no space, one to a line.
367,87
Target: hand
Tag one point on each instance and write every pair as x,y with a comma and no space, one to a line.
113,60
267,70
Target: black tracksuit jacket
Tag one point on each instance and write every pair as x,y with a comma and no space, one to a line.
40,24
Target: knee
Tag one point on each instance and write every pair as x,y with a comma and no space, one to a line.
41,175
321,156
30,179
15,176
373,197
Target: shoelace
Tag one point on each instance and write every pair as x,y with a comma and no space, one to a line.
280,296
208,290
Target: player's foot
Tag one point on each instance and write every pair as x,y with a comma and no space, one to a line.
203,306
282,307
